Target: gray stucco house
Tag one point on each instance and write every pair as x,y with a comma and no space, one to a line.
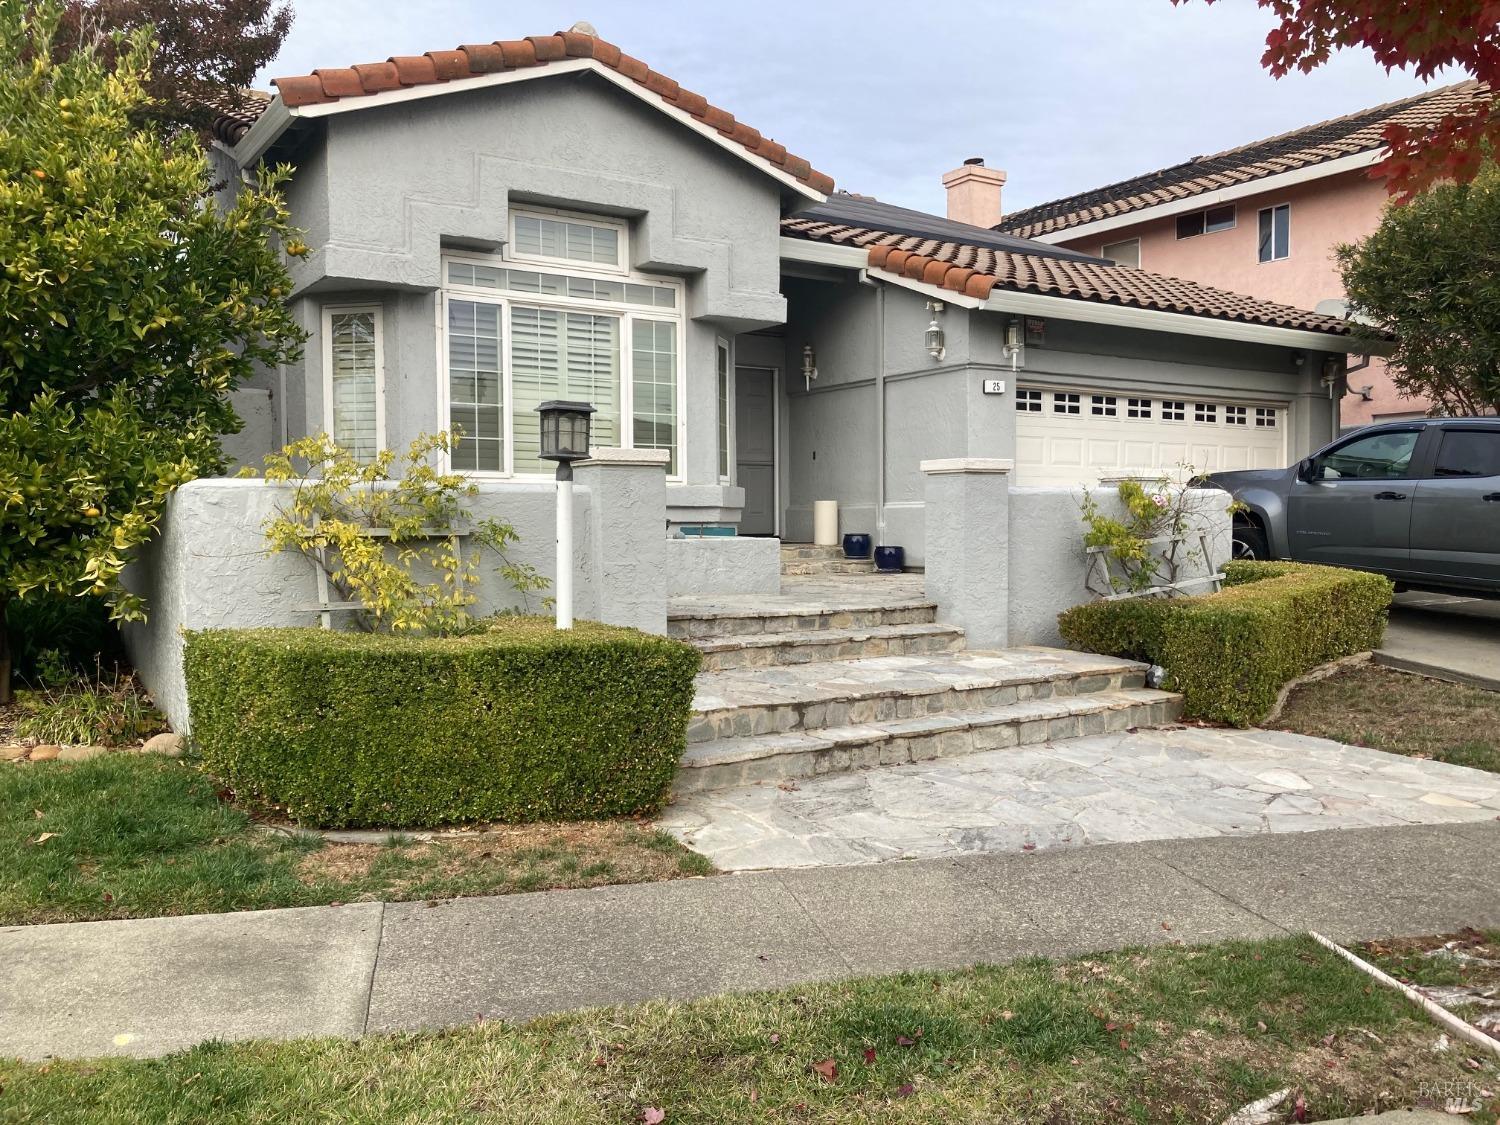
548,218
544,218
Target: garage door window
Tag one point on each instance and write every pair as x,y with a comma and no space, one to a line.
1205,412
1265,417
1138,408
1235,416
1029,402
1104,406
1173,411
1065,404
1469,453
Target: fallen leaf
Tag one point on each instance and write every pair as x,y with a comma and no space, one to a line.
598,1060
1110,1025
1007,1015
653,1116
1167,926
44,837
827,1070
904,1041
1260,1025
869,1056
1299,1109
775,1037
1327,1040
1028,847
905,1090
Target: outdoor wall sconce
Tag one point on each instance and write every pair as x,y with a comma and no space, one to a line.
809,365
1014,345
565,439
936,341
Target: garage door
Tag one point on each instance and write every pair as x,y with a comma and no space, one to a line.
1075,436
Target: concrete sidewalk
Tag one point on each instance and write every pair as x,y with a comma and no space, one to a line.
158,985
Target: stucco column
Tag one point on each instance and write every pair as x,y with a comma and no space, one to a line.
628,512
968,545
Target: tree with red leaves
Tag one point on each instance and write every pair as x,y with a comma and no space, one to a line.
1423,36
206,50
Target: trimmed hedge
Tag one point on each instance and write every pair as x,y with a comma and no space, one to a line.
1229,653
519,723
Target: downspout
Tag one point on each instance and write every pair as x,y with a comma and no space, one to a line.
865,279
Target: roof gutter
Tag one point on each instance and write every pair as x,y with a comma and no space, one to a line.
1264,186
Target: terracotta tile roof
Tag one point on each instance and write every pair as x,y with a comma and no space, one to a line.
1315,144
237,111
475,59
976,271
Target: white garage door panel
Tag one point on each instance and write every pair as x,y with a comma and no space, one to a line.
1075,436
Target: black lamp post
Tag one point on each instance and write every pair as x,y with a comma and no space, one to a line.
565,439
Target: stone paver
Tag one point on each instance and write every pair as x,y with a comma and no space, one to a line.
1171,784
810,595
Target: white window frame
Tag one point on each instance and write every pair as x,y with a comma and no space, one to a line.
621,229
328,313
722,348
1106,247
1271,210
627,313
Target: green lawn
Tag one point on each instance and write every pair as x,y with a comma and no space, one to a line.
1169,1035
132,836
1402,713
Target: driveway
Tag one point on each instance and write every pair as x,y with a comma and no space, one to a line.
1444,636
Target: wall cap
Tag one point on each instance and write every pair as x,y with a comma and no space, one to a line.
968,465
648,457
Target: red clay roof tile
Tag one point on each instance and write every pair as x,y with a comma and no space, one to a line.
1314,144
475,59
976,271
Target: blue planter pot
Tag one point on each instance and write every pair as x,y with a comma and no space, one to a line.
856,545
890,560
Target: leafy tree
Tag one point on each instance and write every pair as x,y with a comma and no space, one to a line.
1430,274
206,50
129,308
1423,36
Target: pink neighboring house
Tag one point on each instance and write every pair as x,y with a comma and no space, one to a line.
1262,219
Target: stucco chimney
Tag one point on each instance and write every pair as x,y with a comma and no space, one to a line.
974,193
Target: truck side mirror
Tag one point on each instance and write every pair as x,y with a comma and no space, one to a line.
1307,469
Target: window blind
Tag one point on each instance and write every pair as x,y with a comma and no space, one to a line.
563,355
354,376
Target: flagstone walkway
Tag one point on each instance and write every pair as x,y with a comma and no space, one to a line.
1172,783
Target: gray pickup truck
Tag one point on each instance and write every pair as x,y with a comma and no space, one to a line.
1417,501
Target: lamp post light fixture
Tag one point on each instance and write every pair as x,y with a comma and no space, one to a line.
565,439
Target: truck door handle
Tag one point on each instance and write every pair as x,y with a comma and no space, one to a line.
1493,497
1390,496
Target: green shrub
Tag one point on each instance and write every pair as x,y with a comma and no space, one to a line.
95,712
519,723
56,637
1229,653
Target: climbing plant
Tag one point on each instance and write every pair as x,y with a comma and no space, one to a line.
1152,544
392,533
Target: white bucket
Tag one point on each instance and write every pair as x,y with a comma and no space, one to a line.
826,523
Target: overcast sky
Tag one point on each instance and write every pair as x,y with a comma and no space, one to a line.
886,95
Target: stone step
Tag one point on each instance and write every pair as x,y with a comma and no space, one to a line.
809,567
762,650
790,551
746,702
725,762
696,623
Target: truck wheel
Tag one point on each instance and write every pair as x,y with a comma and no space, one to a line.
1250,543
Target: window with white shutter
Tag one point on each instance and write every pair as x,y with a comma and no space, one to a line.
518,337
353,390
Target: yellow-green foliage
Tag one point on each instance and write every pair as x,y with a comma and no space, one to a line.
332,514
521,722
1150,544
1229,653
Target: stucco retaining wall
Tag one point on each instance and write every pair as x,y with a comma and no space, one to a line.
209,569
723,565
1048,563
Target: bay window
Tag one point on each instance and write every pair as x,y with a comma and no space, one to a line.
516,337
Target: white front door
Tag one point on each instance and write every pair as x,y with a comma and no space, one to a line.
1075,436
755,447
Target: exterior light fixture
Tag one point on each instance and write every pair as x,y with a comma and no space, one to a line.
935,339
809,365
565,439
1014,345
